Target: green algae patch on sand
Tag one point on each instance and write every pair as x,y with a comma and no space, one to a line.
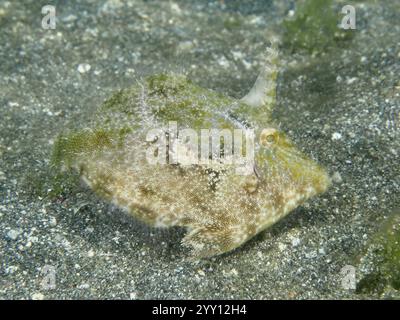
382,260
314,27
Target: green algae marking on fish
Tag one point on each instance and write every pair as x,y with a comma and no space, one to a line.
220,209
91,140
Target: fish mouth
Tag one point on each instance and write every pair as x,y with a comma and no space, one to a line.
281,163
304,172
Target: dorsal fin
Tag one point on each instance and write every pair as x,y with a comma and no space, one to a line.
263,92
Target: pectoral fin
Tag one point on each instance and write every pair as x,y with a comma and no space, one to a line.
212,240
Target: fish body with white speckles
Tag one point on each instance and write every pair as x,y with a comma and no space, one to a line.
220,208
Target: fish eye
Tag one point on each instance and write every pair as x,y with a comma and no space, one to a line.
152,139
268,136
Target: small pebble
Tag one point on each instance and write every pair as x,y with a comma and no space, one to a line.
37,296
132,296
84,286
13,234
90,253
282,246
201,272
223,62
84,67
351,80
336,177
336,136
295,242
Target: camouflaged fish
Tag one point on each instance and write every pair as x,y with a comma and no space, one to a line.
220,208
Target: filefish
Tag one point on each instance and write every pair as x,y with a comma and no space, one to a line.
220,207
